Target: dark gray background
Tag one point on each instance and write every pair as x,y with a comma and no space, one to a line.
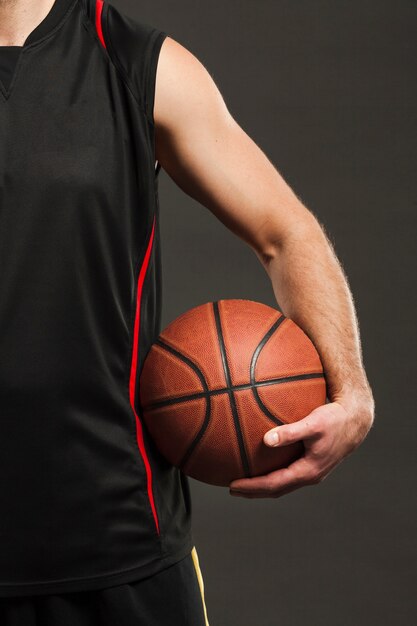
328,90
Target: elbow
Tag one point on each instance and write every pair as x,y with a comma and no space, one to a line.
275,237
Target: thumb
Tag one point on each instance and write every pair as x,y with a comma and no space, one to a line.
306,428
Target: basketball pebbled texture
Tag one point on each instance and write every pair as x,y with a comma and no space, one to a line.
217,378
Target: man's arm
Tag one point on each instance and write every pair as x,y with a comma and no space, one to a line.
213,160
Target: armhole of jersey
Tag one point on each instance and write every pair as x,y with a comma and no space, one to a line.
96,13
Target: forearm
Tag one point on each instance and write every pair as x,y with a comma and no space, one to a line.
311,289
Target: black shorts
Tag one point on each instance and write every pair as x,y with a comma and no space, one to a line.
174,596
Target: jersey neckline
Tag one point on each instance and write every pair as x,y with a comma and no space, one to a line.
49,22
17,54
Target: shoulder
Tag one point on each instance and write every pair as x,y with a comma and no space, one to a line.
119,33
131,45
166,77
186,91
127,36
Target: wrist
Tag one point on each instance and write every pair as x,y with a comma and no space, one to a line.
356,391
358,402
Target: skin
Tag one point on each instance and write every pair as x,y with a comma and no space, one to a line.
19,17
212,159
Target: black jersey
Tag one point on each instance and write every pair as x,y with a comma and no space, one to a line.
86,500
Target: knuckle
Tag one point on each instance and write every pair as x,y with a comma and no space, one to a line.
369,417
287,434
317,428
316,477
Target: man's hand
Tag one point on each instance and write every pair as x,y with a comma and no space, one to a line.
330,433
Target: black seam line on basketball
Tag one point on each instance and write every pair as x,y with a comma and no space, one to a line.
217,392
232,400
205,395
254,360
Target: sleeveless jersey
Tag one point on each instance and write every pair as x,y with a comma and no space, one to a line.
86,501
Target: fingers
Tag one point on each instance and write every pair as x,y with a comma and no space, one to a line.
253,495
299,474
307,428
310,469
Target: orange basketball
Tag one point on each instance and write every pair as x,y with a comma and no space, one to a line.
217,378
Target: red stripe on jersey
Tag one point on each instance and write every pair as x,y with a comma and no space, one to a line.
99,10
133,370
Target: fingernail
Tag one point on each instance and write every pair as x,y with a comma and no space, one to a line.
272,438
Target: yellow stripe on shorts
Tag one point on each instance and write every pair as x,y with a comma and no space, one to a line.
200,581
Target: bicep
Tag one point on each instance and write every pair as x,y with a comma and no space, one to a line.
211,158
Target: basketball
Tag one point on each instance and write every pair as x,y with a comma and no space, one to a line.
217,378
